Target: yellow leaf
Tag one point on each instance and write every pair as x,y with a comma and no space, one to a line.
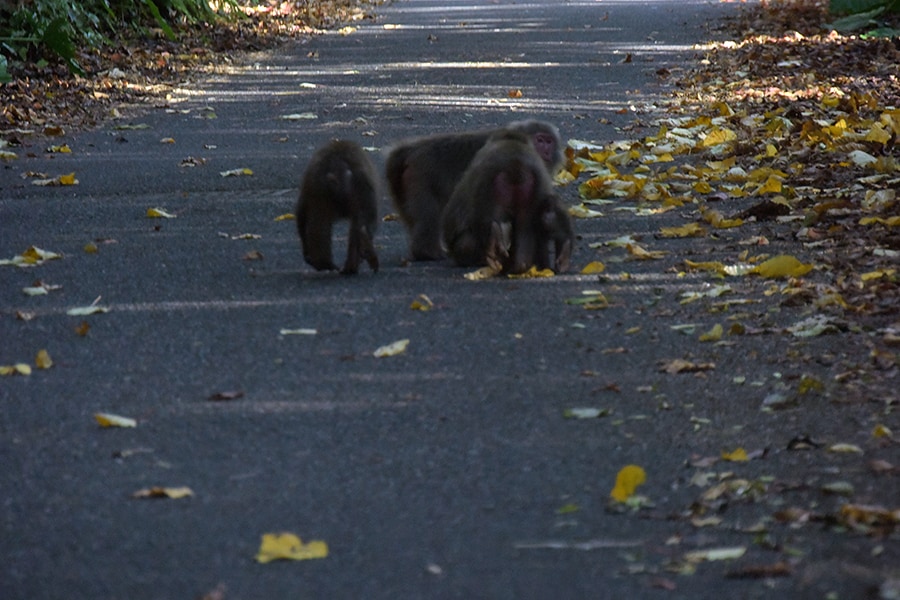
583,212
16,369
422,303
719,136
111,420
482,273
236,172
642,254
689,230
288,546
842,448
67,179
43,360
878,134
739,455
713,335
701,187
783,265
532,273
771,186
285,217
398,347
90,248
593,267
158,213
164,492
627,481
881,431
167,140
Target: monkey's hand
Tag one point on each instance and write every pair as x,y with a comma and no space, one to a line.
499,244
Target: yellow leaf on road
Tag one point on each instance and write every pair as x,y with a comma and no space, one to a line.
398,347
164,492
627,481
783,265
689,230
158,213
532,273
719,136
422,302
713,335
738,455
593,267
111,420
287,546
16,369
43,360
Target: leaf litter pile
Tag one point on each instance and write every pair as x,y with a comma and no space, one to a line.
781,151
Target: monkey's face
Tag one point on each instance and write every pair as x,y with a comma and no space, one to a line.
545,145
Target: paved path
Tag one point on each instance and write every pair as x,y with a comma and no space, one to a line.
436,474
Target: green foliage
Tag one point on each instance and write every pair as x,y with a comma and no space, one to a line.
862,14
33,30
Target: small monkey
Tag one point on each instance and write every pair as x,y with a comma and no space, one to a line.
504,212
340,183
423,172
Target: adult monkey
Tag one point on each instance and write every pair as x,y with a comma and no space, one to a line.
504,212
422,173
340,183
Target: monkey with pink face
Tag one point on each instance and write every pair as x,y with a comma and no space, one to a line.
423,172
504,212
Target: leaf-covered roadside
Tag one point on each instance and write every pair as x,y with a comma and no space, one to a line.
46,97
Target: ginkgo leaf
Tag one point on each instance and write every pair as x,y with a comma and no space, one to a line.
159,213
679,365
307,116
422,303
586,413
715,554
32,257
737,455
173,493
627,481
81,311
111,420
718,136
713,335
781,266
486,272
393,349
43,360
532,273
286,217
643,254
593,267
287,546
16,369
236,172
583,212
302,331
688,230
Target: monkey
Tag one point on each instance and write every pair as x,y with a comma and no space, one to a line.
504,212
340,183
422,173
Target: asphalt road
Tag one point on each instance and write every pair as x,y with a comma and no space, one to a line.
440,473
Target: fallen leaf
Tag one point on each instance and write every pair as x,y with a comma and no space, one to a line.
422,303
16,369
224,396
678,365
236,172
737,455
174,493
43,360
287,546
398,347
712,554
593,267
628,479
532,273
781,266
159,213
303,331
111,420
586,413
82,311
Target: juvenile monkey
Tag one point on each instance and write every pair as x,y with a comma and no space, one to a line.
340,183
423,172
504,212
